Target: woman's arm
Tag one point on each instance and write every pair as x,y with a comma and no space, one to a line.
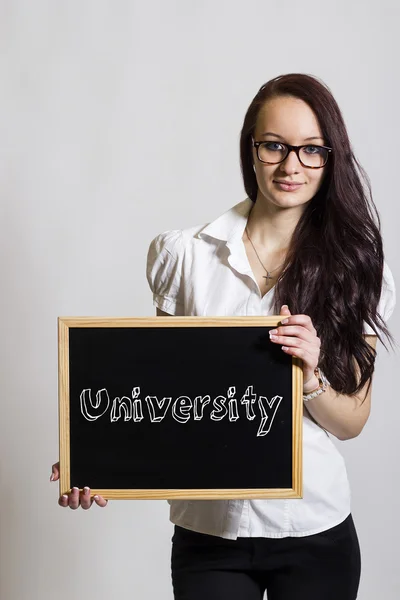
343,416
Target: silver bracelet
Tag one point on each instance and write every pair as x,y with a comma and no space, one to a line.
323,384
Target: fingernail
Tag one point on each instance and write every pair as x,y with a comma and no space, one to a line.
284,306
284,320
85,490
65,497
75,489
96,497
52,477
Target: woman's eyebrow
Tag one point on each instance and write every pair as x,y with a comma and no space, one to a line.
315,137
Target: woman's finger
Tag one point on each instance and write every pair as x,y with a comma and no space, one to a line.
299,346
299,332
73,500
310,360
100,501
86,501
55,472
303,320
63,501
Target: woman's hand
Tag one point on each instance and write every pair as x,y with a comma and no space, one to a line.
75,498
299,338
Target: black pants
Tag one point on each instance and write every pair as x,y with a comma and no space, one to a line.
324,566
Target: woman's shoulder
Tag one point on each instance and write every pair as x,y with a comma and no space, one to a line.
165,272
388,279
175,241
387,301
388,293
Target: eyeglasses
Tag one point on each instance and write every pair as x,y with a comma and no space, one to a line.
310,155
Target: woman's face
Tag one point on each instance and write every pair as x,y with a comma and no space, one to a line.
287,119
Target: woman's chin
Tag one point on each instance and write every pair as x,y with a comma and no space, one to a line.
285,199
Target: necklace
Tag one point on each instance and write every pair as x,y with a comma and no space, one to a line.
267,276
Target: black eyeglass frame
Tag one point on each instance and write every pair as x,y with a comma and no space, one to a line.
289,149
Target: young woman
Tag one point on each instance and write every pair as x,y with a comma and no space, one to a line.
304,244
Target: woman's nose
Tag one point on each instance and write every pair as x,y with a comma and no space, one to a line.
291,164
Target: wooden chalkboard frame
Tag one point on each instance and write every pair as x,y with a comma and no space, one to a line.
65,323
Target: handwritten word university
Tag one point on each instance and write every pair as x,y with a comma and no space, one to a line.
182,409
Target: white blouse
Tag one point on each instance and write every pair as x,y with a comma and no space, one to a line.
204,271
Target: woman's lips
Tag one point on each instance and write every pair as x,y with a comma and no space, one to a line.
288,187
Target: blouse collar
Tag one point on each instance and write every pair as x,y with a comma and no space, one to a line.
231,224
229,228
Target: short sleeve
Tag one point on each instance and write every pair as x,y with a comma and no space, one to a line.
387,300
164,272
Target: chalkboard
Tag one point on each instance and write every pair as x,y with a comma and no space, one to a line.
179,407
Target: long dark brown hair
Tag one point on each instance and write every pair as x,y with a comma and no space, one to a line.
333,270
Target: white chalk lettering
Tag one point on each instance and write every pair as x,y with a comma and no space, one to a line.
181,409
120,404
219,407
248,400
92,411
232,405
157,408
199,404
125,408
137,405
268,411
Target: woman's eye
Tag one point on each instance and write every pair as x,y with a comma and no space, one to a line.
312,149
273,146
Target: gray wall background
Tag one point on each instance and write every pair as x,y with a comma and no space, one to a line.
120,120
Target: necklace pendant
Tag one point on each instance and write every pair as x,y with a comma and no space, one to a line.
268,276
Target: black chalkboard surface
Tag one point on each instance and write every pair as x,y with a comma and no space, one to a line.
178,407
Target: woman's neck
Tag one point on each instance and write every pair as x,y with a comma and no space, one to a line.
272,227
